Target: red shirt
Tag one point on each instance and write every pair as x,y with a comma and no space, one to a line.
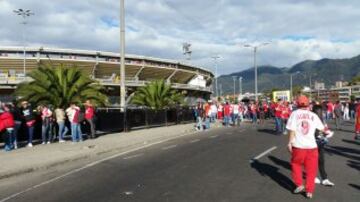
6,121
285,112
227,110
330,107
265,107
89,112
278,110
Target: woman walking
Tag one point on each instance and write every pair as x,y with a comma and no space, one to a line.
29,117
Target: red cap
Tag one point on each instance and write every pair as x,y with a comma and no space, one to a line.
303,101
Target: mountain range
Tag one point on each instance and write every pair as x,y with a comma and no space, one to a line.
269,77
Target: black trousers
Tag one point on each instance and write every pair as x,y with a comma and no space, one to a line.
322,171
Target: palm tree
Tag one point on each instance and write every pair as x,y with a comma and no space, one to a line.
157,95
60,86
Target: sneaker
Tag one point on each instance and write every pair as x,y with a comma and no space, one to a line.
15,146
327,182
317,181
299,189
29,145
62,141
48,142
43,143
309,195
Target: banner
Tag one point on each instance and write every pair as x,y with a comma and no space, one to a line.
283,95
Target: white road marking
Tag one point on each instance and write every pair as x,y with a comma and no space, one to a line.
169,147
133,156
196,140
263,154
90,165
214,136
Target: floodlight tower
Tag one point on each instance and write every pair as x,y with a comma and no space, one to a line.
186,50
215,58
24,14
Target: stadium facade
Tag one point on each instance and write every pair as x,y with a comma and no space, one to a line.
191,80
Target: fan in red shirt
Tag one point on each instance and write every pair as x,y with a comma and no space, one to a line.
357,124
89,117
7,126
285,114
278,121
220,111
226,114
330,110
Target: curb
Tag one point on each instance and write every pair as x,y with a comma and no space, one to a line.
92,154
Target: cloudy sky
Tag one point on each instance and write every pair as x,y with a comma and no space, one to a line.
298,30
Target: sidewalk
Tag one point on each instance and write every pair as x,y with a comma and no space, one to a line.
25,160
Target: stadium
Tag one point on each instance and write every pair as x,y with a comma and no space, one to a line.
192,81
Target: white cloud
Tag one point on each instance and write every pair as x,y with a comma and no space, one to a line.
299,29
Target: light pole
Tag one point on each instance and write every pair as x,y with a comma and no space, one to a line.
234,79
220,90
122,55
255,47
24,14
240,85
216,57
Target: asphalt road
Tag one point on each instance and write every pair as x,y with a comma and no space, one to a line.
209,166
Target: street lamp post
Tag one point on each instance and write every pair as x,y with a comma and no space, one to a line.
122,55
220,90
291,87
255,47
216,57
24,14
240,85
234,79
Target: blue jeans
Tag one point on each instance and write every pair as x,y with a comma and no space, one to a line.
278,125
226,120
7,140
62,130
234,118
46,133
328,115
207,123
254,117
199,123
74,131
213,116
15,132
352,114
30,133
80,135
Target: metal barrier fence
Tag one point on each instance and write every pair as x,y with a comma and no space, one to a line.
109,120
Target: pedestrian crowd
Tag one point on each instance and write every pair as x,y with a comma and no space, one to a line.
233,113
305,122
22,119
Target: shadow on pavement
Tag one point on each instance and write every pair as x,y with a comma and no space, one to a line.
354,164
344,130
282,163
351,141
354,186
268,131
343,151
273,172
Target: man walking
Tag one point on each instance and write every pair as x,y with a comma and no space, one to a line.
89,117
302,145
337,113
